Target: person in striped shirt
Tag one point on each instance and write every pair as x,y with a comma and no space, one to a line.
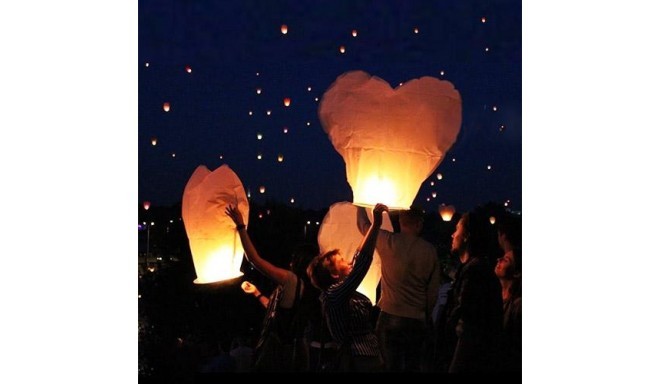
346,311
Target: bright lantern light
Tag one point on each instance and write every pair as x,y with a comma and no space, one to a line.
338,230
342,49
390,140
166,106
446,212
439,176
285,130
258,91
287,101
354,33
154,141
284,29
216,248
416,30
259,136
188,69
434,194
146,205
280,158
483,19
492,220
262,189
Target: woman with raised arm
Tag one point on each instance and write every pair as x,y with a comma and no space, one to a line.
282,346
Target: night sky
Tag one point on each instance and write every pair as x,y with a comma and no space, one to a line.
215,62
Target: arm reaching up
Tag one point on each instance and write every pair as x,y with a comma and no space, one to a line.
274,273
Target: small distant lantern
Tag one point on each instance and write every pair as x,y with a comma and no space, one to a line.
258,156
287,101
285,130
446,212
268,112
146,205
354,33
258,91
166,106
188,69
342,49
173,154
442,73
293,200
439,176
262,189
259,136
154,141
284,29
416,30
492,220
280,158
434,194
250,113
309,89
483,19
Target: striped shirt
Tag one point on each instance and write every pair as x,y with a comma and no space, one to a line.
348,313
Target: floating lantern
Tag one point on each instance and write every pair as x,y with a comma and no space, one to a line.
258,91
285,130
442,73
188,69
487,49
446,212
483,19
287,101
166,106
391,140
492,220
173,154
262,189
489,167
146,65
250,113
494,108
284,30
354,33
309,89
268,112
432,183
146,205
154,141
258,156
259,136
293,200
214,242
339,230
434,194
280,158
439,176
416,30
342,49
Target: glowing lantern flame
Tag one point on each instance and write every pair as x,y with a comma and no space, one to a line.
280,158
492,220
262,189
214,242
416,30
339,230
154,141
434,194
354,33
259,136
287,101
188,69
284,29
166,106
258,91
285,130
146,205
439,176
342,49
446,212
483,19
391,140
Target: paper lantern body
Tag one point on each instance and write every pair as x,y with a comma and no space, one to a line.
446,212
391,139
214,242
339,230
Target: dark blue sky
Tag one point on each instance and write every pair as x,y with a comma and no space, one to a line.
226,43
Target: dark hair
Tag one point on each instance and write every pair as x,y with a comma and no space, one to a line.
481,235
511,226
411,216
319,274
302,255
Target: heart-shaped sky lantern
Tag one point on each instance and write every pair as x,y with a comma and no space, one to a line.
214,242
339,230
391,139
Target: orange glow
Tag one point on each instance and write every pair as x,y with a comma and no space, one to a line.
287,101
146,205
214,243
166,106
492,220
280,158
284,29
446,212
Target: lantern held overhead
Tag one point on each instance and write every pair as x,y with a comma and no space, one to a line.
339,230
214,242
391,140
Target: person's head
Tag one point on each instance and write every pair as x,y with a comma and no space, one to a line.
509,266
327,269
509,231
475,236
302,255
411,220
